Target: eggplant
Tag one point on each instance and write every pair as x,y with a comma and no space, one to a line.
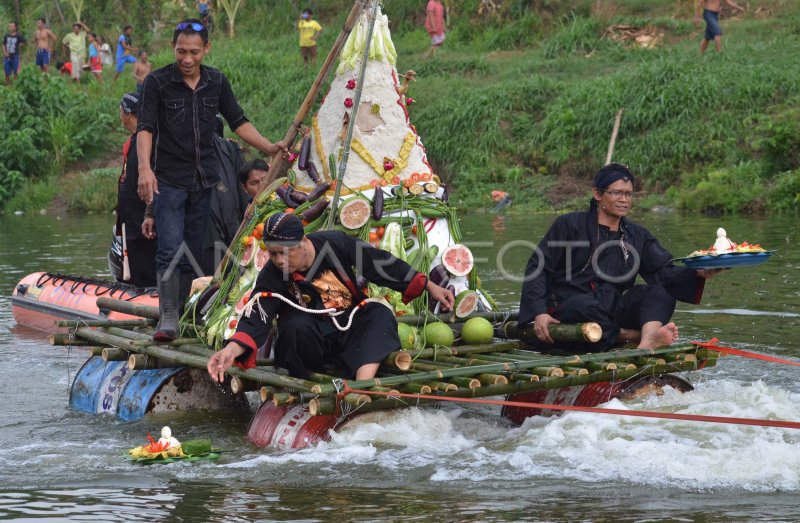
284,194
305,152
445,196
299,196
311,170
377,204
313,212
439,276
318,191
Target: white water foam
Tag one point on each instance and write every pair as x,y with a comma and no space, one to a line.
468,445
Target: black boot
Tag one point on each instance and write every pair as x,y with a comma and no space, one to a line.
168,305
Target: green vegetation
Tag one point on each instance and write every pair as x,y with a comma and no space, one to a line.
521,98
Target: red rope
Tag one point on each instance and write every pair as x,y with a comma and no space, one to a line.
712,344
594,410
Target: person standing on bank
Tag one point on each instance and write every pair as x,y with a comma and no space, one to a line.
711,9
45,43
180,103
309,32
585,268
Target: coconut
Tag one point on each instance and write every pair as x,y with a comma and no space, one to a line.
437,334
477,331
408,336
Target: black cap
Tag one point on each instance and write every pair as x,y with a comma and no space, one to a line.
611,173
283,229
130,102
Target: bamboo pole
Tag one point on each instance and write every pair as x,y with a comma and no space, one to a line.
239,385
440,386
172,355
589,332
114,354
267,393
449,351
283,399
142,362
66,340
439,374
96,351
127,307
105,323
522,386
614,131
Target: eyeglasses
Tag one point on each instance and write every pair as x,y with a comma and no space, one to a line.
619,194
194,25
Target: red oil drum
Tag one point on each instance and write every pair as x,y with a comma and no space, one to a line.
590,395
290,427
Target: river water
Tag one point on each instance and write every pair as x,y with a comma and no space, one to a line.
453,464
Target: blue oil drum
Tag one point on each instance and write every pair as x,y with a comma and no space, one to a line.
108,387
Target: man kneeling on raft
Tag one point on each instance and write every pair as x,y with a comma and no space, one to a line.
585,269
315,272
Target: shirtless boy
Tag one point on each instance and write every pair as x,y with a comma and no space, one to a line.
710,10
141,68
45,42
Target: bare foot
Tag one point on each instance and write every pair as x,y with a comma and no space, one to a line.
664,336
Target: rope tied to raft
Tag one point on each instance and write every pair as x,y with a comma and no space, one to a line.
593,410
255,302
712,345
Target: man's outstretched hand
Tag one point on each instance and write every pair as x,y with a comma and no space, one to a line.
219,362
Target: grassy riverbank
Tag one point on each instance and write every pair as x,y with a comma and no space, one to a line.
526,102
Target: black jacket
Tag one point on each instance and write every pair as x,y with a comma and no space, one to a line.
182,121
553,275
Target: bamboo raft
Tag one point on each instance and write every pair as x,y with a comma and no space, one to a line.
505,367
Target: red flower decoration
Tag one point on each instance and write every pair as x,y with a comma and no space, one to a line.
351,84
373,183
409,101
348,102
396,180
388,166
292,157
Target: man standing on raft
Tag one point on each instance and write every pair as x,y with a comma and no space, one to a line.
585,267
316,272
177,165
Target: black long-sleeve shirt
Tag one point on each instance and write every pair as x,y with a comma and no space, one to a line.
338,256
182,121
557,271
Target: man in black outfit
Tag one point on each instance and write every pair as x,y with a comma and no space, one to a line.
139,243
317,272
585,267
180,103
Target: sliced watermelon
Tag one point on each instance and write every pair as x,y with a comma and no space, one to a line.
261,258
355,213
457,259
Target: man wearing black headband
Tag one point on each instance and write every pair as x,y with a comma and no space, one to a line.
318,272
180,103
585,267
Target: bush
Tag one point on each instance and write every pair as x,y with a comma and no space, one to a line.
95,191
47,124
726,191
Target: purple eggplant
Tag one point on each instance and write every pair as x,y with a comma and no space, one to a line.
305,152
284,194
377,204
318,191
445,196
439,276
299,196
313,212
311,170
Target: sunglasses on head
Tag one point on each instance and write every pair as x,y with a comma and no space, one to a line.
194,25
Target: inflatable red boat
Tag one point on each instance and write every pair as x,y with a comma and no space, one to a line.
41,298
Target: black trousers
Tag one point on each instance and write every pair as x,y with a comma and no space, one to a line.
641,304
306,342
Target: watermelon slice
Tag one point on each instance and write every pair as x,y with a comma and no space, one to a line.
355,213
457,259
466,303
261,258
248,253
